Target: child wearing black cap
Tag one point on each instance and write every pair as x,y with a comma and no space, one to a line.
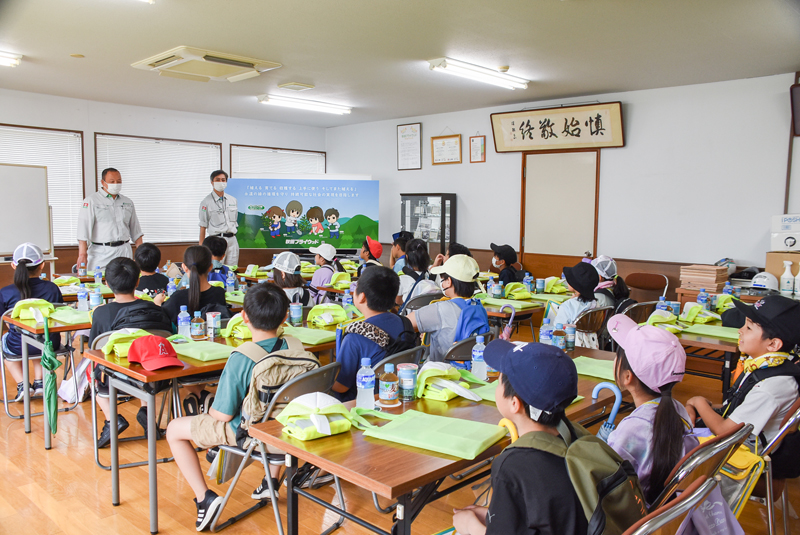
504,259
581,281
532,491
768,385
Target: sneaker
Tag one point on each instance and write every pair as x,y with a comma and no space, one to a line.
206,399
21,392
38,389
191,405
207,509
262,492
105,435
141,417
212,454
321,481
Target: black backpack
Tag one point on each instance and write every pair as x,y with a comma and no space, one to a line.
406,340
224,311
142,315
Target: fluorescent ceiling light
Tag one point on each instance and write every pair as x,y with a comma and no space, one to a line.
148,1
7,59
480,74
289,102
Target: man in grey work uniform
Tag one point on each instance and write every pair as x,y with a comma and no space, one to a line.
107,223
219,215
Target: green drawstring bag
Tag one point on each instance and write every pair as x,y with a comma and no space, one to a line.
236,329
22,309
517,290
218,284
143,296
555,298
464,439
340,281
666,320
120,342
554,285
201,350
103,288
70,316
235,297
232,268
326,316
311,337
724,302
65,280
442,382
307,267
315,415
694,313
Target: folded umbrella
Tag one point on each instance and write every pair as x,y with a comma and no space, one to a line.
50,364
608,426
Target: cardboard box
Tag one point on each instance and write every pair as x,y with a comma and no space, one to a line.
775,261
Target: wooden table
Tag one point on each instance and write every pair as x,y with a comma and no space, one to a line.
393,470
708,348
29,329
85,278
73,297
688,296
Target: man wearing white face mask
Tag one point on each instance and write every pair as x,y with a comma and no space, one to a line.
107,223
219,216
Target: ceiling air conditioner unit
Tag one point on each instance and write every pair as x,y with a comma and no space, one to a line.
203,65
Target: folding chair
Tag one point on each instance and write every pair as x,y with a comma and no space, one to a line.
462,351
667,519
319,380
593,321
413,356
653,282
66,351
99,342
640,312
707,459
420,301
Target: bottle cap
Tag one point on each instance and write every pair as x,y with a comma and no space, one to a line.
546,321
347,292
196,313
366,361
479,339
184,308
83,285
389,368
559,326
702,289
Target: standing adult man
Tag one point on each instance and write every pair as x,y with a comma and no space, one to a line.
219,215
107,223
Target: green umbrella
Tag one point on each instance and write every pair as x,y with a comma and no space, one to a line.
50,364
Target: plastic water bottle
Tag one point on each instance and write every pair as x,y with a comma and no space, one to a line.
527,280
728,289
43,276
184,321
230,283
497,290
197,327
478,364
83,298
95,298
82,270
243,285
559,337
171,288
98,276
347,304
490,287
365,384
702,299
662,304
546,333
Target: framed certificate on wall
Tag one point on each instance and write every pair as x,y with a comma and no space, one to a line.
446,149
409,146
477,149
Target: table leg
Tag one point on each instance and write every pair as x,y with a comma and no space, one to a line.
112,419
403,514
152,435
726,374
26,381
292,501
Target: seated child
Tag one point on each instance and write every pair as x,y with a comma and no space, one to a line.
371,251
452,250
532,490
266,307
440,319
328,265
657,434
286,274
414,278
218,247
767,342
148,257
374,297
504,259
122,275
612,290
581,280
27,262
398,253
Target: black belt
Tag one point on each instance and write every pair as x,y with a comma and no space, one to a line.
226,235
111,243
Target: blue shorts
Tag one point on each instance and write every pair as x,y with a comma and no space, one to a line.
336,232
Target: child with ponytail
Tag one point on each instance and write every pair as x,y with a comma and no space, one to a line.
27,262
658,433
198,263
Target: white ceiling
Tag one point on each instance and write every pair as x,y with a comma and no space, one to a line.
370,54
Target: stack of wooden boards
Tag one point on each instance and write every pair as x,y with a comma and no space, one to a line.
697,276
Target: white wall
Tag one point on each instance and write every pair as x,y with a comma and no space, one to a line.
34,109
703,169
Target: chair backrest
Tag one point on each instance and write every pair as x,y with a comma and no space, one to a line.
705,460
413,356
462,350
648,281
639,312
788,426
667,519
420,301
317,380
593,320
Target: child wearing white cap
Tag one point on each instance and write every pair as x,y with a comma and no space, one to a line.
612,290
286,274
27,262
650,362
328,265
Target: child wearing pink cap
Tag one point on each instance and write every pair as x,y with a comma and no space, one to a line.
650,362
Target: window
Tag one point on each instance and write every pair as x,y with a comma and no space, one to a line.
61,152
254,162
165,179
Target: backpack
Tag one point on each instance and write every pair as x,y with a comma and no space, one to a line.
219,274
273,369
785,459
606,485
406,340
224,311
472,320
142,315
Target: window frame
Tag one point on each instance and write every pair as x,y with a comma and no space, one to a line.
151,138
231,145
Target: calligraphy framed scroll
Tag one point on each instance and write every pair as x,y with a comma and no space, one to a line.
409,146
589,126
446,149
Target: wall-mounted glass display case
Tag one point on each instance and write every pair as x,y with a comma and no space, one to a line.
431,217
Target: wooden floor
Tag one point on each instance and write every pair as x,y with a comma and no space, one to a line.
64,491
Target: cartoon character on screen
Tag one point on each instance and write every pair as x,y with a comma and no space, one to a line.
275,214
293,211
314,216
332,215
